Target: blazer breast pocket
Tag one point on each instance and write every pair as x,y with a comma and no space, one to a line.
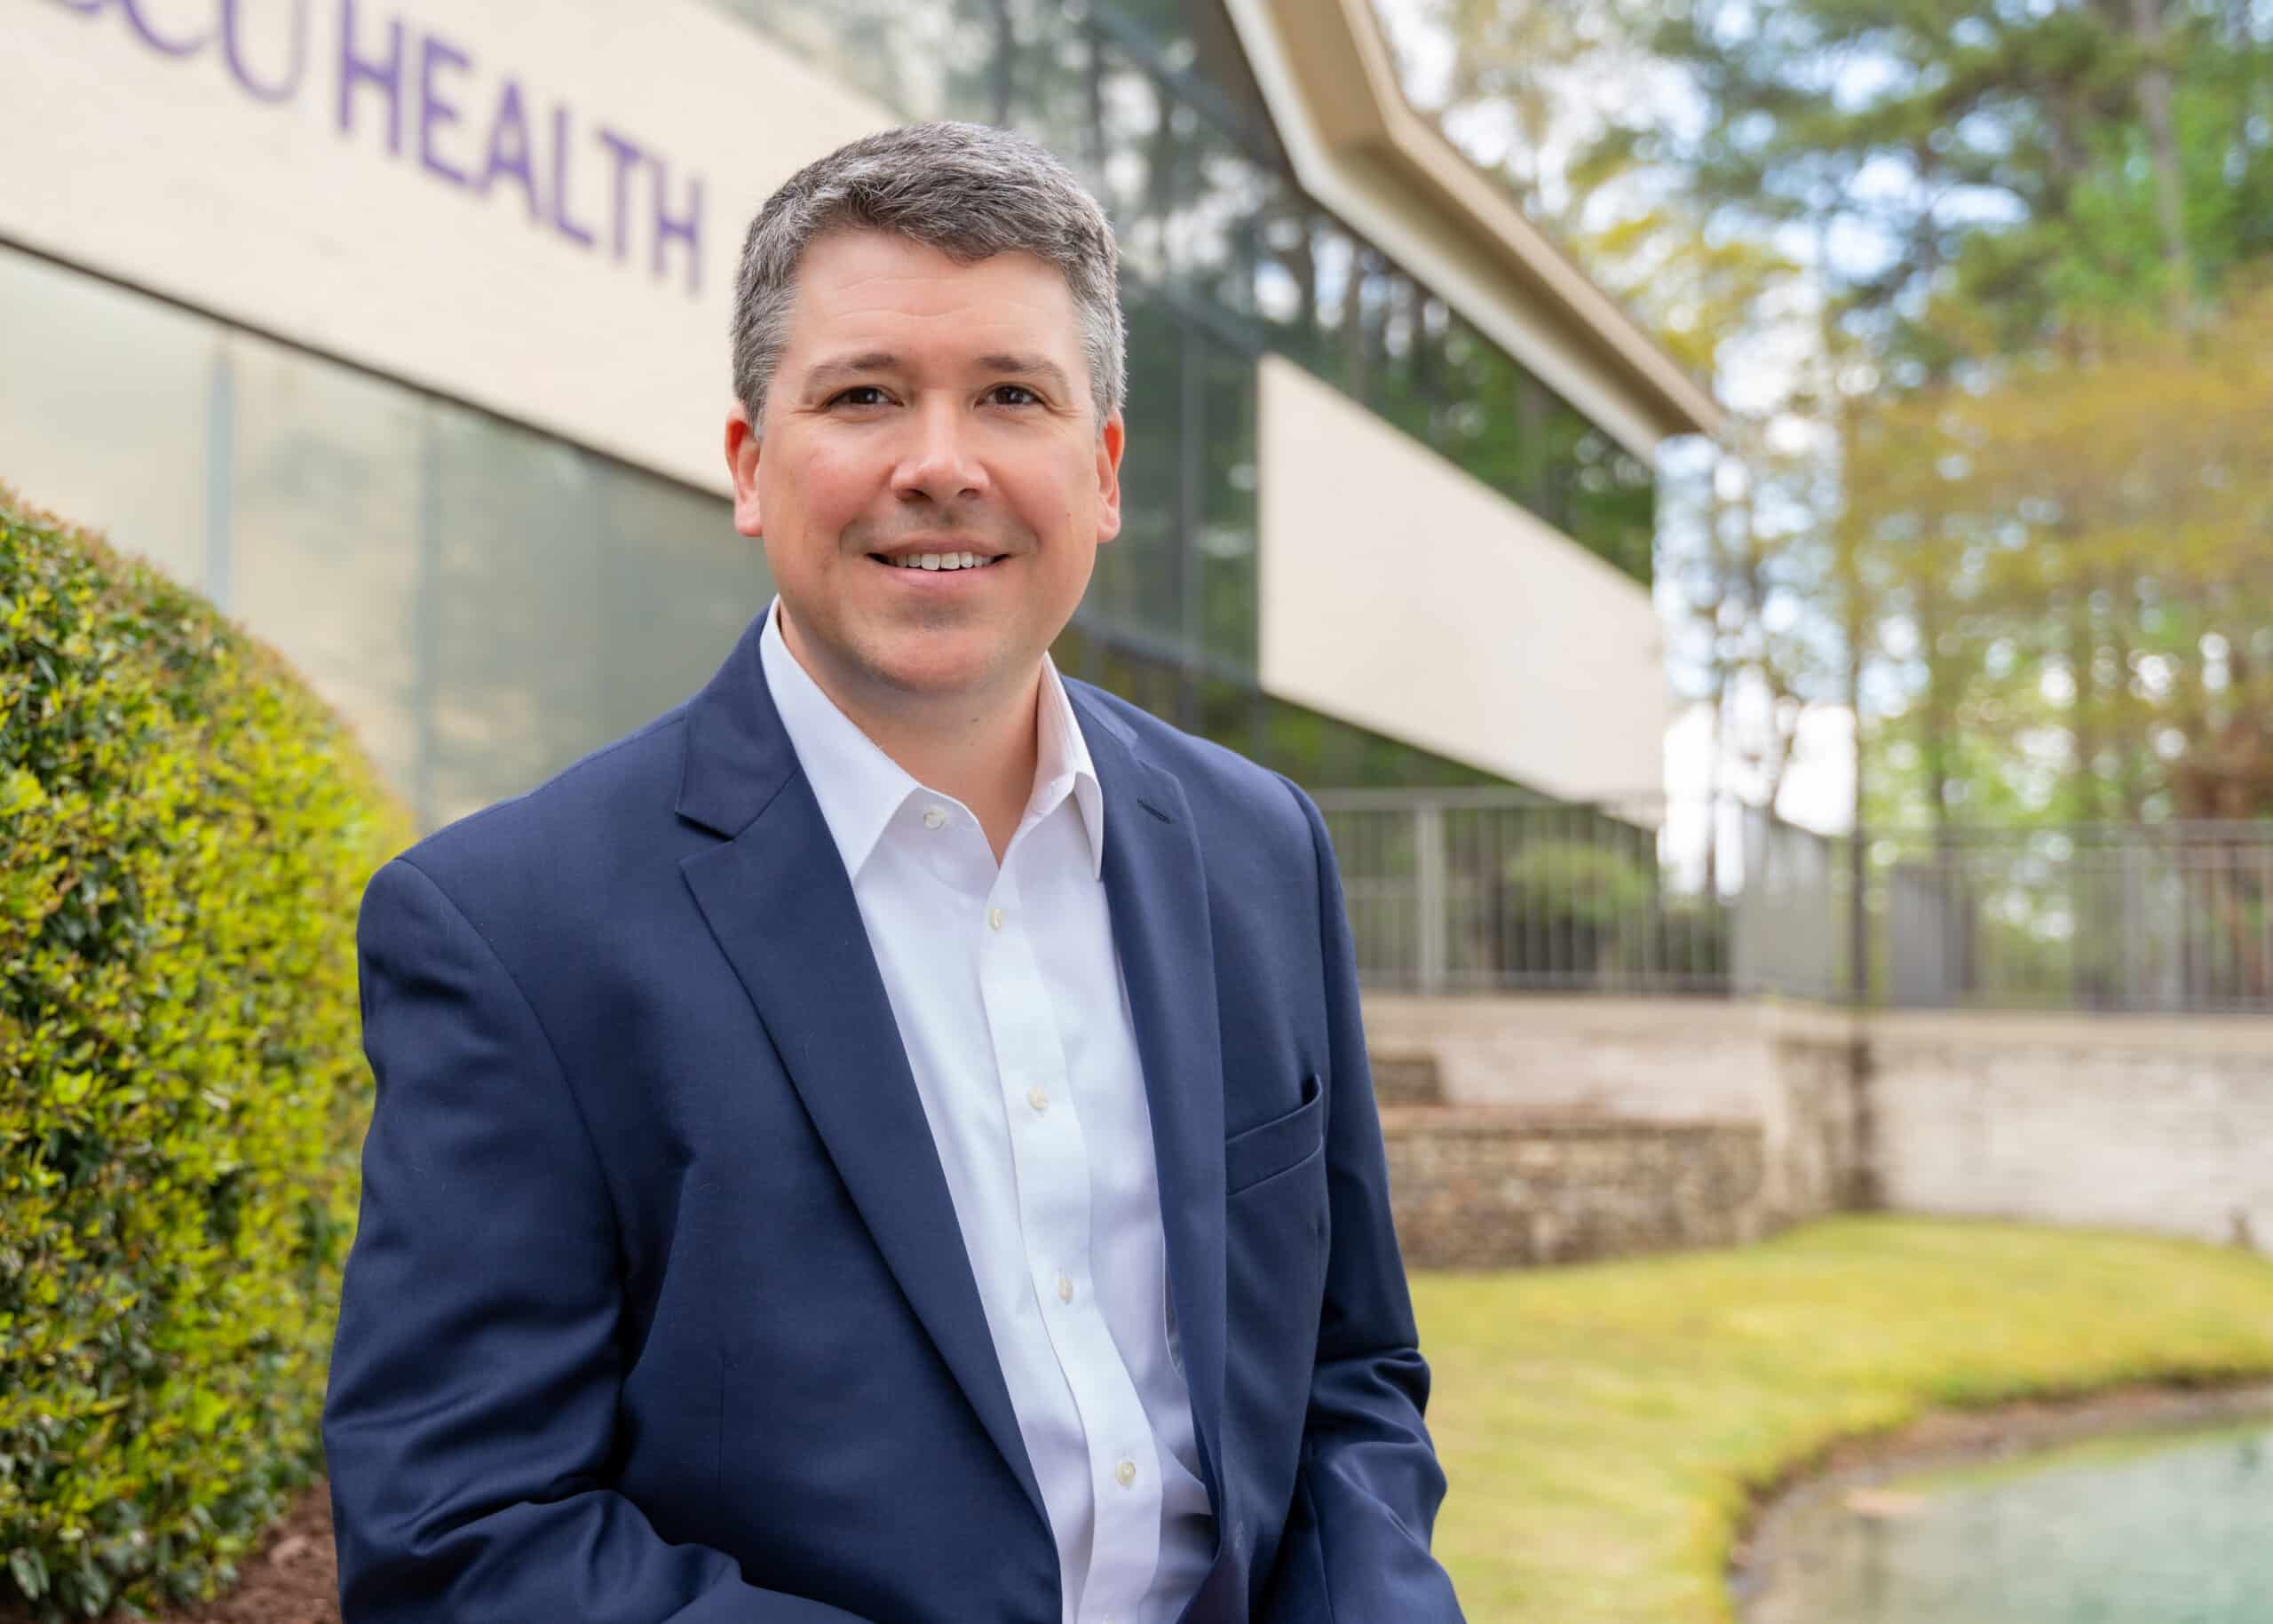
1274,1148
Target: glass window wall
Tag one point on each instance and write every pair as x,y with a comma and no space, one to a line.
481,603
1181,575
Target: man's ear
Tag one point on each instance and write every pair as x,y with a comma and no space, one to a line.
1111,439
742,447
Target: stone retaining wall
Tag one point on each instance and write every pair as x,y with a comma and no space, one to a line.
1483,1188
1792,1072
2129,1122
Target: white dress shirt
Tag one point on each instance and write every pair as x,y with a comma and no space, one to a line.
1006,985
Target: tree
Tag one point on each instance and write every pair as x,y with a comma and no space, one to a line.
2110,523
2015,184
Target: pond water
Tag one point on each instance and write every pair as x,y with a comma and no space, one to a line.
2174,1528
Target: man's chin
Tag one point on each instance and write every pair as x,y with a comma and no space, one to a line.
934,671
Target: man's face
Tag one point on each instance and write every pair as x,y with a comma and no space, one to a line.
920,407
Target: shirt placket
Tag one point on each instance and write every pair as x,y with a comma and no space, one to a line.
1051,1159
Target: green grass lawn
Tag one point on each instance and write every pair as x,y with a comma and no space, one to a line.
1602,1426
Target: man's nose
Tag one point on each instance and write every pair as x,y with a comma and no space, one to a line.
940,460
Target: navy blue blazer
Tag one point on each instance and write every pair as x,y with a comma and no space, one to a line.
658,1309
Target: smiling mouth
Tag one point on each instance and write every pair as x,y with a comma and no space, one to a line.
937,561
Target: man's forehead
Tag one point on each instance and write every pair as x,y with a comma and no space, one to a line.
853,269
873,299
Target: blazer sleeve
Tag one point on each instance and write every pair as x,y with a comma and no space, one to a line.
1365,1495
475,1370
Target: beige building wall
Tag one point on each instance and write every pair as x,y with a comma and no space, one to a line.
491,199
1402,594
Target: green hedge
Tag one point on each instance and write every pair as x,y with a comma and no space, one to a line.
185,832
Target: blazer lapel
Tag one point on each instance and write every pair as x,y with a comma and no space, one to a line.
776,897
1157,889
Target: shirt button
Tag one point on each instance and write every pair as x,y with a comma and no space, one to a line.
994,918
935,817
1125,1474
1038,1097
1065,1289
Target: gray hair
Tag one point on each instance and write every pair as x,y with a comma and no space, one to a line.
968,190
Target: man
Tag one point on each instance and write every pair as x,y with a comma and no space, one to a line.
892,1139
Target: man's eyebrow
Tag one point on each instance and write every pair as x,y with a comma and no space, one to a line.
838,368
844,368
1029,366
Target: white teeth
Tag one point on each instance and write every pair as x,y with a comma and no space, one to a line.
941,560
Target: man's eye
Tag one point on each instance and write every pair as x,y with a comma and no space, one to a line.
859,394
1019,394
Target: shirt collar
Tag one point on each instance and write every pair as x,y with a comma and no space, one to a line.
860,789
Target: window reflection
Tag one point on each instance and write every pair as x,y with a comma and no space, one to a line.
108,418
678,584
1226,544
327,469
570,600
513,608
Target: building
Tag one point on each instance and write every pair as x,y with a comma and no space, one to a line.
401,330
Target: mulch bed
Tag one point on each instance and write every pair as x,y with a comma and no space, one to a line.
292,1579
1942,1438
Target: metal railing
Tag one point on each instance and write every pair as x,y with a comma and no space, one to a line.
2174,917
1490,890
1472,891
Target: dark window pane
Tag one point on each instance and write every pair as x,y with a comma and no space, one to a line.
514,608
325,556
679,584
75,348
1226,543
1136,579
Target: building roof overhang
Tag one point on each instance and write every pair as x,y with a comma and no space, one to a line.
1359,147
